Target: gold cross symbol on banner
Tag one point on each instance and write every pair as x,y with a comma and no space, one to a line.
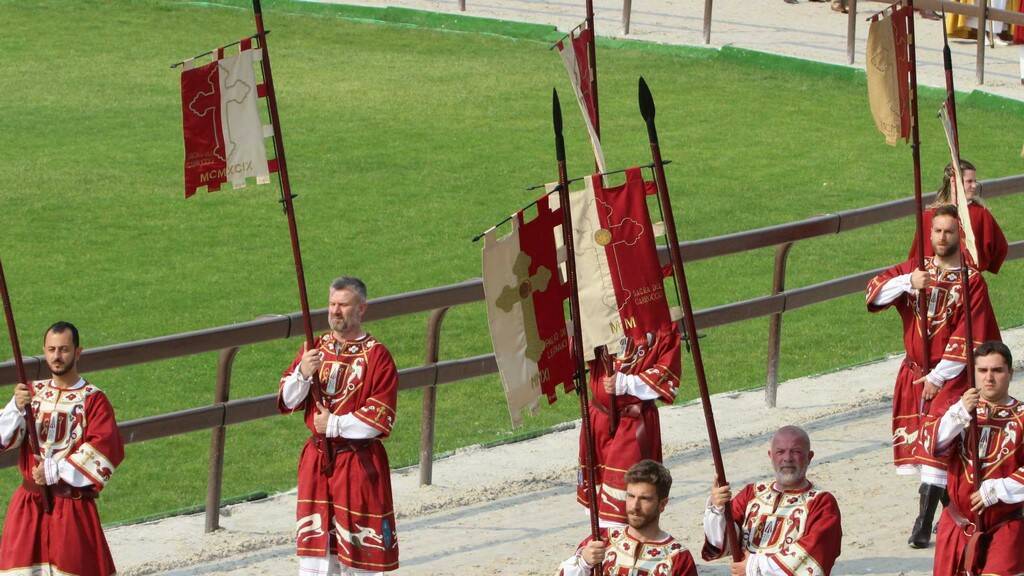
520,293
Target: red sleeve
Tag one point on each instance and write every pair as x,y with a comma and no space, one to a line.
989,239
663,376
983,319
102,448
738,507
815,552
378,410
876,284
684,565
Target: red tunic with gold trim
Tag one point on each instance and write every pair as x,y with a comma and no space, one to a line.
988,237
627,556
947,331
77,429
653,364
797,532
349,496
1001,439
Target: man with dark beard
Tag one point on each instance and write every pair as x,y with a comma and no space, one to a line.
79,449
347,388
920,399
787,526
640,547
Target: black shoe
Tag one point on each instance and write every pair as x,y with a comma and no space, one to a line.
921,535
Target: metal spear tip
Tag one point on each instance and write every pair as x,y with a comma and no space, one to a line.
646,101
556,111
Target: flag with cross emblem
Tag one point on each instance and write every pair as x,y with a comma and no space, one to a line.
224,134
525,297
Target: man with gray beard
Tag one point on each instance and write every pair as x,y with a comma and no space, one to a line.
787,525
346,387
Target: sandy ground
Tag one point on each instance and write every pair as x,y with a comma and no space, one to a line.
511,509
807,30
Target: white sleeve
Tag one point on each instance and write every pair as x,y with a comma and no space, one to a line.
348,426
714,525
634,386
575,566
11,421
945,370
294,389
892,290
761,565
1005,490
953,422
70,475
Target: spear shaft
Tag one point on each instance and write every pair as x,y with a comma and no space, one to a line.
647,109
922,306
574,308
30,419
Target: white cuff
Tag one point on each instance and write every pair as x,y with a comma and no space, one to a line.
348,426
12,421
989,495
893,289
945,371
50,471
714,525
634,386
294,389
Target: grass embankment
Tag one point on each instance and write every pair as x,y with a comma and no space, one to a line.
402,144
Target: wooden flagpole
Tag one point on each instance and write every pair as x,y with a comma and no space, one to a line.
282,170
593,67
601,354
293,230
647,110
574,309
972,430
30,419
922,306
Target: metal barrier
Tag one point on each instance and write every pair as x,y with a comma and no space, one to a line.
228,339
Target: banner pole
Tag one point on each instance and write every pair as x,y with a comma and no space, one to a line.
19,364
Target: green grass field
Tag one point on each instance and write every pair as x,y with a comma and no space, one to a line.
403,143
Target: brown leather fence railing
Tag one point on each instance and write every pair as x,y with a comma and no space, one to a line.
432,373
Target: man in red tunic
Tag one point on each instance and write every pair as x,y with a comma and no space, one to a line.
79,449
1000,500
641,547
345,522
922,398
988,236
787,525
646,370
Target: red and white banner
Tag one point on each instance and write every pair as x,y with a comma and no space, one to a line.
618,273
525,297
224,135
576,58
959,196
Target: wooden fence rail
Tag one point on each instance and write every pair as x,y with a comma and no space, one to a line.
433,373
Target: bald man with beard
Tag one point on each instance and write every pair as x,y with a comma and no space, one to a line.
787,525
